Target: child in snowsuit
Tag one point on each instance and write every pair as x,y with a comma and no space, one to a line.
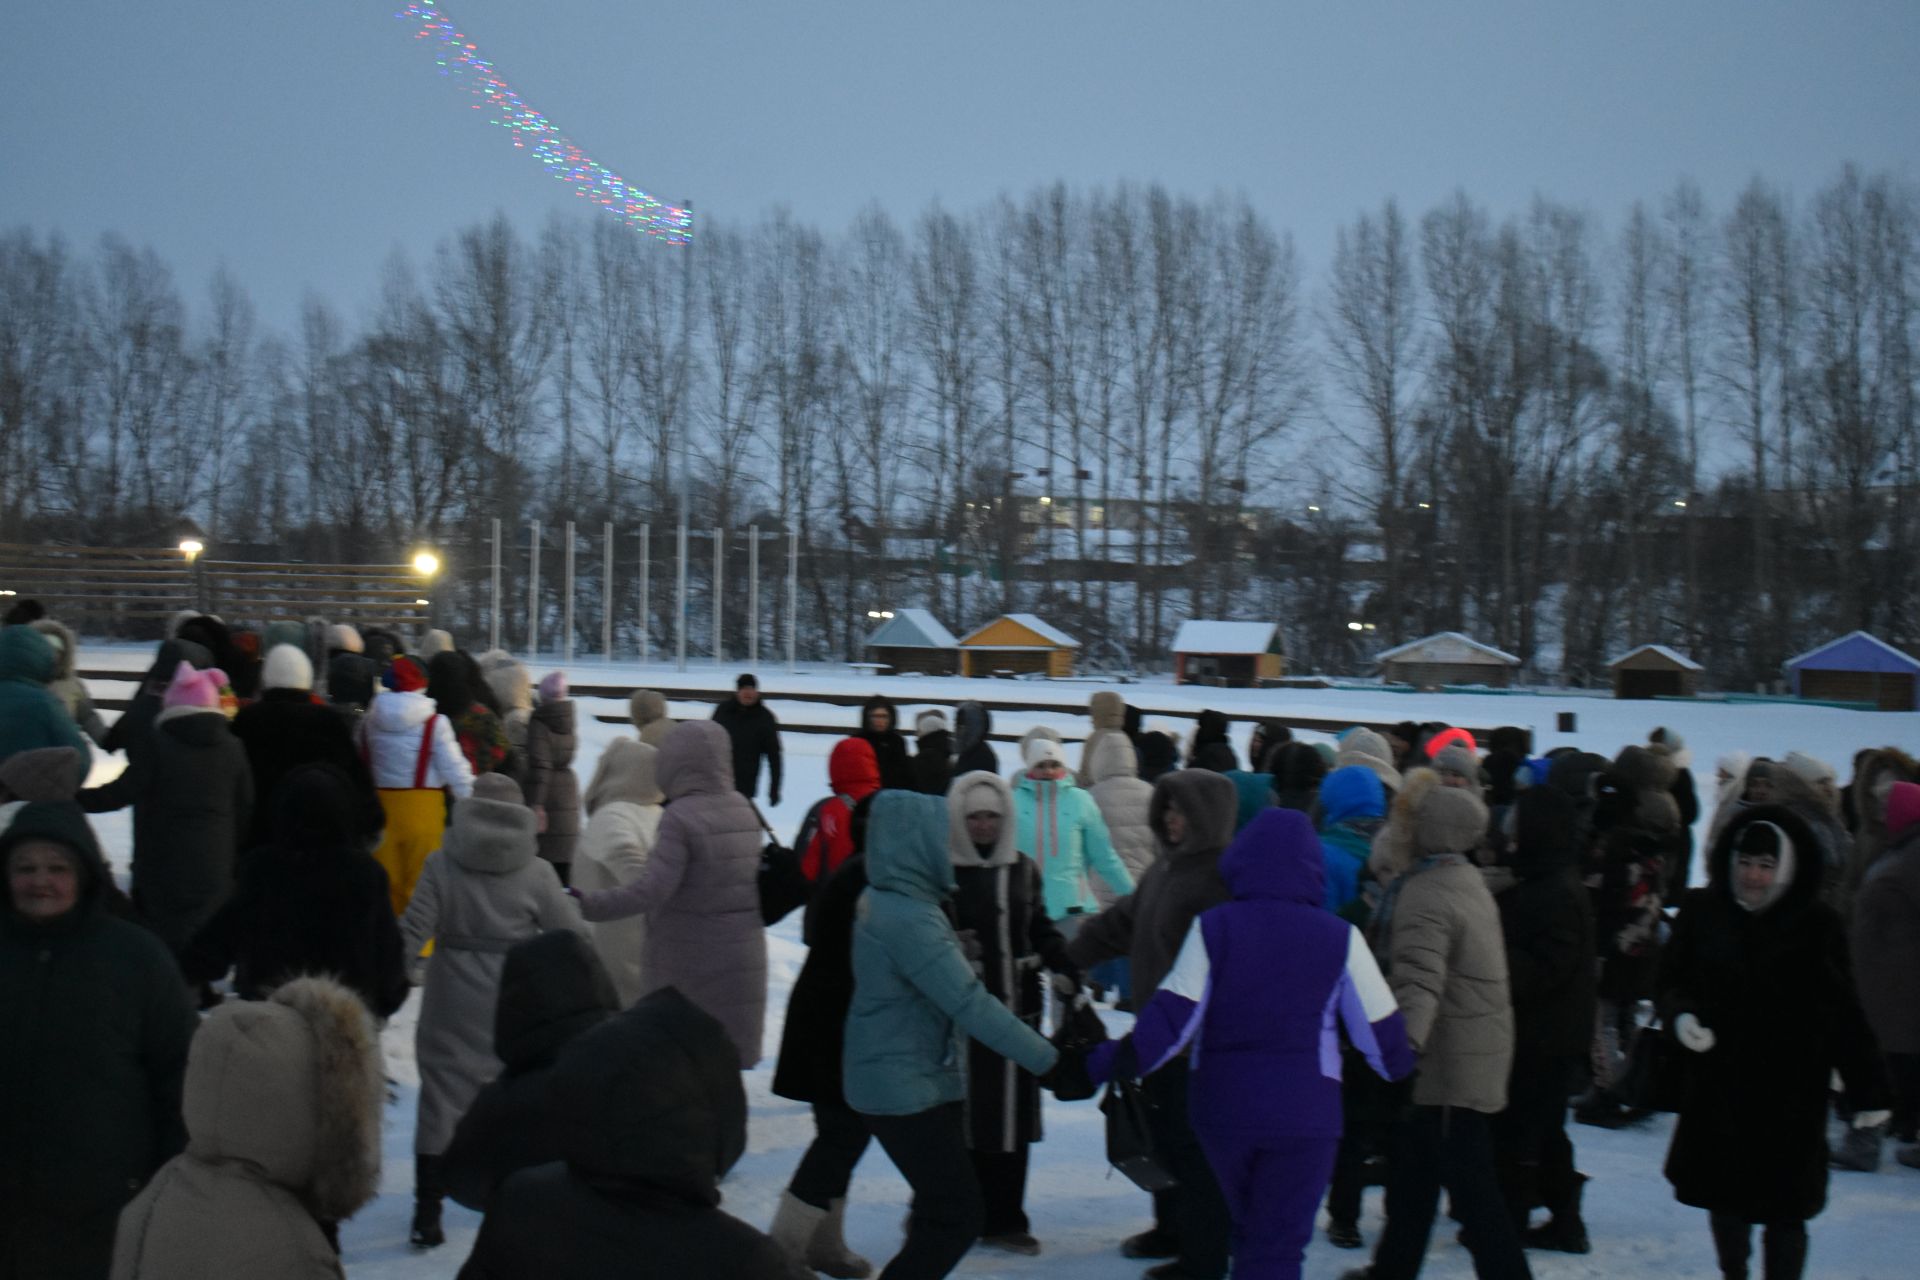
414,754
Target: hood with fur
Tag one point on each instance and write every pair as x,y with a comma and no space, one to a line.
628,770
1449,820
1801,866
66,647
1210,802
508,677
292,1085
972,793
1394,850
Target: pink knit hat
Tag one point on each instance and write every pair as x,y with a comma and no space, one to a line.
553,688
191,688
1903,807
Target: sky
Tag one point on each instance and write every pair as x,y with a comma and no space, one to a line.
301,144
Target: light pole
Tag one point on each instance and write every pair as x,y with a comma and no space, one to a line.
427,565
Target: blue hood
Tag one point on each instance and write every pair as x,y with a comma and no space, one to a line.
907,845
1278,858
1353,791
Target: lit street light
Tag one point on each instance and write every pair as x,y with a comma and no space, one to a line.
191,548
425,563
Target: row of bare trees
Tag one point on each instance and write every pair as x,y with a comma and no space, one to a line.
1697,426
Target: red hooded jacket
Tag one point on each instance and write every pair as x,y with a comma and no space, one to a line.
854,772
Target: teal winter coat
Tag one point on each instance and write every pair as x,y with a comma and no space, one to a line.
1059,826
30,715
915,997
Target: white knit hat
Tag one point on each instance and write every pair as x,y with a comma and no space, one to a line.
1042,750
286,667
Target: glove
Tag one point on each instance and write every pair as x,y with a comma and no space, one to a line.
1065,984
1068,1080
1871,1119
1688,1031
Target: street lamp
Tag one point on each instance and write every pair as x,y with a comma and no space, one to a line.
425,563
191,548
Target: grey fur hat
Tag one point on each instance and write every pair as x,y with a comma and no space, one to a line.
1449,820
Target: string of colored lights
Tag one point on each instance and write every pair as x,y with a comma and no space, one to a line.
531,130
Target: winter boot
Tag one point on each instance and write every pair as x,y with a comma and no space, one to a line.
1859,1150
1565,1231
827,1250
1152,1243
795,1224
1783,1250
428,1190
1343,1233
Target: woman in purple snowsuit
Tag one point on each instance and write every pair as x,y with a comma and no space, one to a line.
1259,992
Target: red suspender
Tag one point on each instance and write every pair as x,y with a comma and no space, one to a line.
426,755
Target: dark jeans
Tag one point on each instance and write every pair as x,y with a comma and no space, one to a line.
1194,1213
930,1150
840,1138
1903,1072
1783,1248
1003,1189
1368,1106
1532,1154
1446,1147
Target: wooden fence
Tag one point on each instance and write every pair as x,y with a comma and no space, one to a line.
108,591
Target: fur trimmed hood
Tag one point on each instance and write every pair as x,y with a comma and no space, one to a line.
969,795
293,1086
65,645
1394,848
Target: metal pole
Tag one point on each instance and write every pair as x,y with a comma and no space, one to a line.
493,619
607,596
793,601
646,592
566,645
753,596
680,600
533,592
719,596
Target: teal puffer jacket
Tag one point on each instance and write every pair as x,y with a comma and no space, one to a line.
30,716
915,997
1059,826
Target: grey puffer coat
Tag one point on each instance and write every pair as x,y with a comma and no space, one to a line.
551,784
1108,710
700,890
1125,803
483,891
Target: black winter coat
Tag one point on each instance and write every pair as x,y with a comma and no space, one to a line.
649,1112
1776,990
755,732
285,729
311,901
811,1042
192,795
134,729
973,753
553,989
889,747
94,1028
1547,919
933,763
1007,912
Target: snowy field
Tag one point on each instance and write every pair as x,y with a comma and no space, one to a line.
1080,1212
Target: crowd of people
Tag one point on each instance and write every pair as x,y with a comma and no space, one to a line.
1405,958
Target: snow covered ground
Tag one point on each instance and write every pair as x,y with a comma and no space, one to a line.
1080,1211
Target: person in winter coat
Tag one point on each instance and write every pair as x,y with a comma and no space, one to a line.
810,1223
31,716
1365,747
1192,818
67,686
1873,781
1885,941
1027,740
132,732
382,647
351,675
999,900
1108,710
879,725
854,774
647,709
1268,736
753,732
552,788
483,891
1159,755
914,997
700,890
310,900
1756,985
512,687
1547,919
270,1168
1298,771
192,795
413,754
96,1021
1255,792
932,753
1210,728
1059,826
972,750
1126,805
553,989
648,1113
286,728
1353,807
482,738
623,823
1254,993
1438,933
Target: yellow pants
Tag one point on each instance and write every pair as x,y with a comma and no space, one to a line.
416,824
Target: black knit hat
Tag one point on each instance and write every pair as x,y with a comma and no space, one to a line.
747,680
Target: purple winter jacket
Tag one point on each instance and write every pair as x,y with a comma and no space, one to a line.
1259,991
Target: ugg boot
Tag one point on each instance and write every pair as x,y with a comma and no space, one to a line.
1859,1149
827,1251
794,1225
428,1190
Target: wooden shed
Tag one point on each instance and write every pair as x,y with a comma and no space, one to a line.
914,640
1857,668
1655,671
1233,655
1447,658
1017,644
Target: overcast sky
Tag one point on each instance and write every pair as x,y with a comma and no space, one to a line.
302,143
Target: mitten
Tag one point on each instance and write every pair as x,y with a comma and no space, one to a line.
1688,1031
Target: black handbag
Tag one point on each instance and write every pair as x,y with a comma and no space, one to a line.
783,886
1130,1146
1656,1072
